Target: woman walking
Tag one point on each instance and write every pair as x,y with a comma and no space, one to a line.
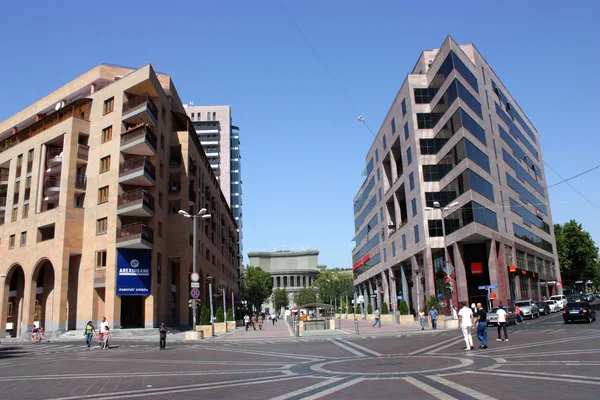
422,319
88,333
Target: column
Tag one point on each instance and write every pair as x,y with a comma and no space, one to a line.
371,299
503,285
393,292
386,291
404,283
365,299
42,171
428,273
418,291
461,276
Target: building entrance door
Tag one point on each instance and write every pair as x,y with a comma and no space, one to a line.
132,311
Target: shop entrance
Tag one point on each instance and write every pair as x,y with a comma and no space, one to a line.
132,311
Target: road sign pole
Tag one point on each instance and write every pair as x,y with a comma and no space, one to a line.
194,270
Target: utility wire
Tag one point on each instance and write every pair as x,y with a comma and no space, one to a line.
573,187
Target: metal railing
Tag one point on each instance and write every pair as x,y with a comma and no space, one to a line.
83,151
139,101
135,164
54,153
80,182
136,133
135,196
128,232
52,181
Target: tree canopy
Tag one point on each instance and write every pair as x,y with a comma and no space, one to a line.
305,296
256,286
333,284
280,299
577,253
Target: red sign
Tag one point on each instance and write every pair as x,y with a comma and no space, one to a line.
559,283
492,296
443,303
363,260
477,268
512,268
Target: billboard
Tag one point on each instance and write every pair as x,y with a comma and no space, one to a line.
134,272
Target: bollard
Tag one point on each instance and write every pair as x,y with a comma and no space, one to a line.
298,328
356,326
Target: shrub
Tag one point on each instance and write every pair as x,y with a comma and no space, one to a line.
433,302
358,309
384,308
403,307
230,314
204,316
220,315
370,309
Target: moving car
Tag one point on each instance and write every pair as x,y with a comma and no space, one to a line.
511,316
579,311
561,299
589,297
544,308
554,306
528,308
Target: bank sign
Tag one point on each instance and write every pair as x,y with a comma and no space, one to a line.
133,272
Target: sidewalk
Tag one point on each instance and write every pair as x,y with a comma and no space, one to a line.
366,327
269,331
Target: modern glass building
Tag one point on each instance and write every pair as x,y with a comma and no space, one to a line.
454,138
221,142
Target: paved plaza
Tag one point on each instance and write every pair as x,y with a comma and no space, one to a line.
543,358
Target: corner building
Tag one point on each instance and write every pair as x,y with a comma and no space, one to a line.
456,136
92,177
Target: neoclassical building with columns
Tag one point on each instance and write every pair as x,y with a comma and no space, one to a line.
455,157
290,270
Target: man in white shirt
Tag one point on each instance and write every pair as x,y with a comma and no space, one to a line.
465,320
103,328
501,323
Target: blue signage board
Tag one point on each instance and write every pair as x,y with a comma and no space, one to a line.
487,287
134,272
400,297
440,296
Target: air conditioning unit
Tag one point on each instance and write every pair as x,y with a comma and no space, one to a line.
390,224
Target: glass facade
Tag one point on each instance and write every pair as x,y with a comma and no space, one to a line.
363,215
514,113
518,152
403,242
512,128
406,132
372,242
425,95
531,238
523,175
457,90
416,232
529,218
463,149
393,249
460,119
521,259
428,120
360,201
408,156
470,212
393,123
525,195
530,263
403,108
413,204
468,180
411,181
453,62
363,232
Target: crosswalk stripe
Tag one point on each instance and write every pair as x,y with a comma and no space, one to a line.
429,389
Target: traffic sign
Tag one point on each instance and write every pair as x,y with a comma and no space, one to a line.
195,284
448,268
195,277
400,297
195,292
486,287
443,303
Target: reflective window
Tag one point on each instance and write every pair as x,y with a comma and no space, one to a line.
360,201
529,218
467,180
463,149
384,142
521,259
457,90
363,215
403,242
377,155
518,152
379,194
373,241
428,120
413,204
411,181
425,95
516,132
370,167
478,156
384,255
460,119
531,238
403,107
393,249
470,212
513,112
406,133
378,174
525,195
393,125
408,156
416,231
523,175
454,62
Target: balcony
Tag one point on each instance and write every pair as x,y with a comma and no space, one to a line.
135,236
136,203
137,171
80,183
52,186
140,110
54,156
82,153
3,177
139,140
2,204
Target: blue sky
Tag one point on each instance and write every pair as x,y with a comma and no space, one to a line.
303,148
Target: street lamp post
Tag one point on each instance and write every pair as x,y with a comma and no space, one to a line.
436,204
212,321
201,214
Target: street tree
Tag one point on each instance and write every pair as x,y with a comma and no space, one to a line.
332,284
280,299
305,296
256,286
577,252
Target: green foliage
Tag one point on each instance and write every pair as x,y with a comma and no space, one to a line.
230,314
577,252
204,316
334,284
433,302
305,296
403,307
219,316
280,299
358,309
256,286
369,309
384,308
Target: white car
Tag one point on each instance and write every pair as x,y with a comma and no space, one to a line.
554,306
560,299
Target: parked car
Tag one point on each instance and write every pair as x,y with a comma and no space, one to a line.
579,311
511,316
589,297
528,308
561,299
543,307
554,306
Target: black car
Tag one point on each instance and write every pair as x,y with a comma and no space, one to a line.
543,307
581,310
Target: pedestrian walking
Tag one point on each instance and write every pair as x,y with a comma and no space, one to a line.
273,319
246,321
105,338
465,320
34,334
260,322
41,332
433,314
162,330
88,333
377,318
253,321
473,308
481,324
501,323
519,315
422,319
104,328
